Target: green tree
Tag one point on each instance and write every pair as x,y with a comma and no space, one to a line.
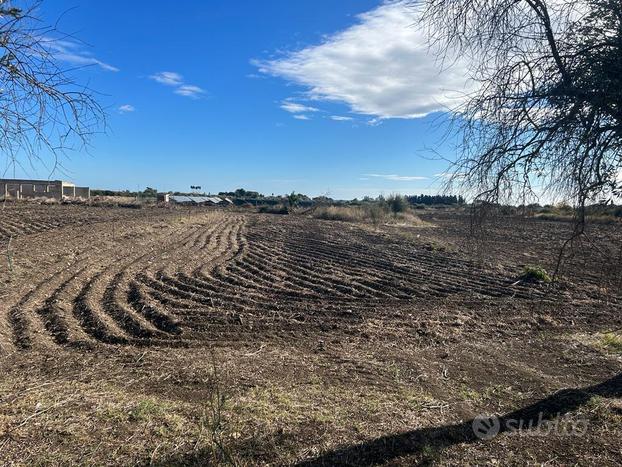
293,199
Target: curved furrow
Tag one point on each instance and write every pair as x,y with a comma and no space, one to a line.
58,321
419,276
212,299
312,282
361,277
98,325
162,320
134,324
306,267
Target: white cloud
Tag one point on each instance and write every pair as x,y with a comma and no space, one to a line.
301,117
172,78
169,78
127,108
396,178
455,175
381,67
294,107
74,53
189,90
339,118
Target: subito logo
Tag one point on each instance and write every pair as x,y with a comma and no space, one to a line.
486,427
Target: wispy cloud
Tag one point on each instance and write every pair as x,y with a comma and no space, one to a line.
455,175
127,108
339,118
75,53
189,90
396,178
381,66
169,78
174,79
301,117
295,107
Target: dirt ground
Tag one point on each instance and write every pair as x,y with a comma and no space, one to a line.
197,337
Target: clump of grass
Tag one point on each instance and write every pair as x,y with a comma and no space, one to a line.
612,341
340,213
215,422
373,213
145,410
536,274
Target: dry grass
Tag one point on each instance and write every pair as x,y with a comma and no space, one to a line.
370,214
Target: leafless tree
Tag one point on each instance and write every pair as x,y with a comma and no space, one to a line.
544,118
545,115
43,110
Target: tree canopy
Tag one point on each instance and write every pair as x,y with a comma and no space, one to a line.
545,115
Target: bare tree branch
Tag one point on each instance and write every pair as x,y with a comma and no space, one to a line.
44,112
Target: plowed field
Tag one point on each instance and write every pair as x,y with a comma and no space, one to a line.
121,329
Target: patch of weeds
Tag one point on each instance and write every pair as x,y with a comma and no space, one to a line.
436,246
430,454
612,342
536,274
605,409
468,394
113,413
146,409
214,421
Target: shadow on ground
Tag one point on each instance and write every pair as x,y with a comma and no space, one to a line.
388,448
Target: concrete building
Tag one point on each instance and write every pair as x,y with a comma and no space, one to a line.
57,189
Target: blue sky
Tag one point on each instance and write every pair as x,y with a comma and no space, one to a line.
317,96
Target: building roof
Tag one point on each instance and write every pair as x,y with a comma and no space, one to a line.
181,199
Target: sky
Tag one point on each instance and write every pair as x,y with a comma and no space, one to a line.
339,98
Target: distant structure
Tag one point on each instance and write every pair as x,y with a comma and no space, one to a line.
57,189
196,200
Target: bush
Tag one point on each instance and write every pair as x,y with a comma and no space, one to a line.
397,203
535,274
277,209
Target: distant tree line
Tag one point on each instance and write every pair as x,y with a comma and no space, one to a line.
242,196
146,193
429,200
241,193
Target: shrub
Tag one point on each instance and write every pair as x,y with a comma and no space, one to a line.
375,213
277,209
397,203
536,274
